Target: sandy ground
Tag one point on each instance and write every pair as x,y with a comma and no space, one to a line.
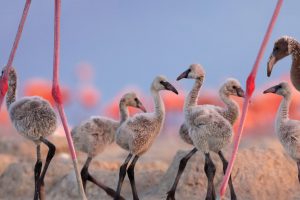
262,171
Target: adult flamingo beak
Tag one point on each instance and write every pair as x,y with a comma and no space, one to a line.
183,75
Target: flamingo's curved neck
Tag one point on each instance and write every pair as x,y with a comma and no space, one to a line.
231,111
123,111
158,103
294,48
192,97
283,111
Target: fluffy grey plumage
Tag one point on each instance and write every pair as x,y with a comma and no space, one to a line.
209,131
93,135
196,72
137,133
184,133
33,117
209,126
287,130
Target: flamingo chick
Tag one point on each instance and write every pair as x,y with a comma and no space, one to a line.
283,47
34,118
208,127
137,133
93,135
287,130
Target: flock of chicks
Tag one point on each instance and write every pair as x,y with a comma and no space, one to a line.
207,127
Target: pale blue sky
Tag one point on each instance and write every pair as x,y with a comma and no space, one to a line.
129,42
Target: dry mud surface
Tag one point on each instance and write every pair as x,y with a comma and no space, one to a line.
262,171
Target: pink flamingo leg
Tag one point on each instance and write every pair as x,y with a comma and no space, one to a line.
56,93
249,91
4,78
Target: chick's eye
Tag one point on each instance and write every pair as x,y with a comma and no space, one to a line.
135,99
234,87
276,48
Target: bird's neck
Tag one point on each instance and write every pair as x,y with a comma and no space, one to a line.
283,111
158,103
124,114
231,112
12,87
294,48
192,97
115,125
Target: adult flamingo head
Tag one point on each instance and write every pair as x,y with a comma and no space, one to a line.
195,71
281,49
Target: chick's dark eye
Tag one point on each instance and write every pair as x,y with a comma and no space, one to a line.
276,48
135,99
234,87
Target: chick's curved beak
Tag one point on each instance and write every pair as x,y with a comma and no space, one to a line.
183,75
240,92
272,89
169,86
141,106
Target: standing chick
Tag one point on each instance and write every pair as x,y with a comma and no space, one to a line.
207,127
287,130
34,118
137,133
93,135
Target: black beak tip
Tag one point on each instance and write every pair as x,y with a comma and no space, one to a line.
178,78
268,91
143,109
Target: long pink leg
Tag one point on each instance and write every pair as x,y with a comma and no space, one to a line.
56,93
4,78
249,92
